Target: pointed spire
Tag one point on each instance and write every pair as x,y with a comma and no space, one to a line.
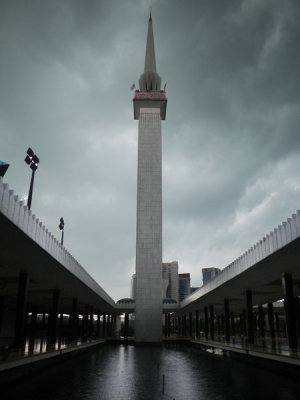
150,80
150,65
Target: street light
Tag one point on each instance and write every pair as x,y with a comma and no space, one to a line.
62,228
32,160
3,168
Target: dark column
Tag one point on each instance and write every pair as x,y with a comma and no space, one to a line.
190,324
241,330
297,315
168,324
53,317
126,325
232,324
107,324
104,325
33,321
91,322
61,327
244,314
261,321
254,322
206,322
113,325
183,327
212,322
223,324
74,319
110,322
226,321
85,323
2,308
98,324
21,316
287,286
197,325
218,326
179,326
32,328
271,319
69,331
43,321
249,314
277,323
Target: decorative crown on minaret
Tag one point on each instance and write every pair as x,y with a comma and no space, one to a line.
150,80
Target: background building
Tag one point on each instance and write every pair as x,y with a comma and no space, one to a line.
209,273
184,285
132,288
170,281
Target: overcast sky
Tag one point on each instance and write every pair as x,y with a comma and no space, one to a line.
231,139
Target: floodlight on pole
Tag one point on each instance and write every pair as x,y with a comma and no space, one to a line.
32,160
3,168
62,228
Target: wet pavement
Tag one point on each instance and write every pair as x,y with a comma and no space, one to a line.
126,372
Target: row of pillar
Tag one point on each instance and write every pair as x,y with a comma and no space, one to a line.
74,330
246,325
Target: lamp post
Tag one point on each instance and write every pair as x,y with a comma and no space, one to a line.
3,168
62,228
32,160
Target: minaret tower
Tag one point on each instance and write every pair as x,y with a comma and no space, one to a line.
149,109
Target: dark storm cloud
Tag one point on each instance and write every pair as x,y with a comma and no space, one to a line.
230,141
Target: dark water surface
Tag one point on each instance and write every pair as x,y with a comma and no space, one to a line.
137,373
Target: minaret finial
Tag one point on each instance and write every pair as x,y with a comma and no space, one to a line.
150,80
150,18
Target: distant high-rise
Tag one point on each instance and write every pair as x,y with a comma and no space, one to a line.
133,284
209,273
170,280
149,109
184,286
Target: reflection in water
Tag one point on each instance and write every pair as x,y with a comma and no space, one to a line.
136,373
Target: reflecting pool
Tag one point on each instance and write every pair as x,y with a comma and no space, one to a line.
125,372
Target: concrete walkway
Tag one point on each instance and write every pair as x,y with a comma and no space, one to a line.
276,349
15,359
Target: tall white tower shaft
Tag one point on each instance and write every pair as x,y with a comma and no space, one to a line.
149,109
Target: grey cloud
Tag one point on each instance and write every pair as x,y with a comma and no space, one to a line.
230,140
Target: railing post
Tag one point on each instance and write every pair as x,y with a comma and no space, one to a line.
226,320
19,338
287,285
249,315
